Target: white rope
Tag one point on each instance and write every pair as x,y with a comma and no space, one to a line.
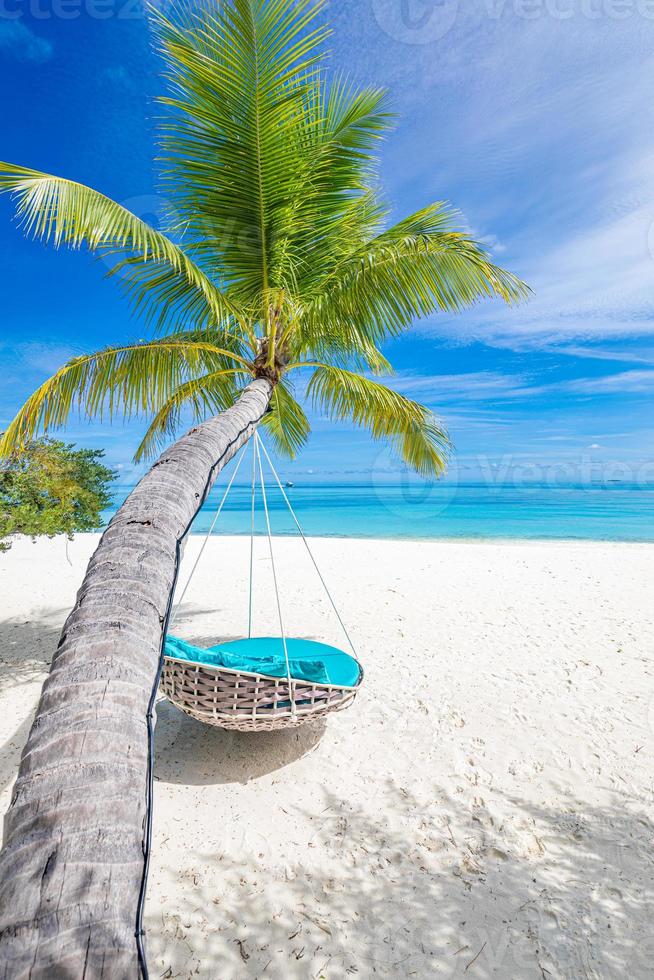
257,446
208,535
306,544
254,476
274,572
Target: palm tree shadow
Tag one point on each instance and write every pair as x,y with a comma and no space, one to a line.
190,752
418,888
28,646
10,751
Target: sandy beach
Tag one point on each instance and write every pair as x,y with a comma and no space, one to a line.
483,810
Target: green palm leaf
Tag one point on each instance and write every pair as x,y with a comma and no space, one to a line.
418,267
134,378
286,423
193,400
334,163
168,303
417,436
240,78
65,212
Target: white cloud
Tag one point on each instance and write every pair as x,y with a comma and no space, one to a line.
546,146
637,356
470,386
623,383
19,42
596,286
117,75
494,387
41,357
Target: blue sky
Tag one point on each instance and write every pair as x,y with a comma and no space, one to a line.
533,117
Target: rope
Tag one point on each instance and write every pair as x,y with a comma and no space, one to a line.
306,544
254,476
257,443
257,446
208,535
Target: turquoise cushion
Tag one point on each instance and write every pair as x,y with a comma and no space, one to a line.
308,659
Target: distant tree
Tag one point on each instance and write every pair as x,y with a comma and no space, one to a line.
52,488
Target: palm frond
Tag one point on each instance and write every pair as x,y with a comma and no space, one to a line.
419,266
239,78
166,303
65,212
286,424
339,345
134,378
420,440
335,163
194,400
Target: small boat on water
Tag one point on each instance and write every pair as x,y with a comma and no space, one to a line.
289,484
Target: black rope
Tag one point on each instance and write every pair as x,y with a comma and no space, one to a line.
147,838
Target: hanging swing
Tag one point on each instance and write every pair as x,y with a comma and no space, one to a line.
260,684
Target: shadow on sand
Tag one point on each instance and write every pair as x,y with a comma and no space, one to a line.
192,753
26,651
419,891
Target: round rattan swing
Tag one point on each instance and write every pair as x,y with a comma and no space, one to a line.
260,684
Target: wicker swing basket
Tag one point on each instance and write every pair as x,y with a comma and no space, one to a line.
237,699
246,702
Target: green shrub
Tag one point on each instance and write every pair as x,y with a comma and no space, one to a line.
50,488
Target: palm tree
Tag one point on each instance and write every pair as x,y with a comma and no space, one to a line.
277,260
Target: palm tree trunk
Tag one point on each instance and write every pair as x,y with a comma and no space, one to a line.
72,865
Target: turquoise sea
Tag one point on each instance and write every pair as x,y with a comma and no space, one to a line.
606,512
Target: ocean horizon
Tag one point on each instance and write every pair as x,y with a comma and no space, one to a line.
602,512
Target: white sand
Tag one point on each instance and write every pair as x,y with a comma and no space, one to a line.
484,809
